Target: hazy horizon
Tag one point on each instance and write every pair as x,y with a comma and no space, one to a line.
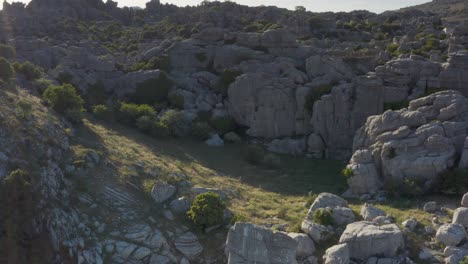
376,6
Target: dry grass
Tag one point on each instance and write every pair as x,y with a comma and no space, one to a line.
259,194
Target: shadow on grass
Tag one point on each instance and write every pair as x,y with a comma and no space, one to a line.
295,176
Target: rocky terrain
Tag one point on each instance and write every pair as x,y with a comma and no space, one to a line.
116,122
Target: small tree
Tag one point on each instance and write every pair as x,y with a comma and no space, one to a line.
207,210
6,71
63,98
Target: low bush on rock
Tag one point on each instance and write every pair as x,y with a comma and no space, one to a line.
102,112
464,261
161,63
6,71
28,70
129,113
323,216
23,108
176,122
347,172
207,210
65,100
153,90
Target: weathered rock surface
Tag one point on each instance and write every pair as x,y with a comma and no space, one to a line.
317,232
162,191
338,254
451,234
460,216
325,200
370,212
415,144
247,243
366,239
305,245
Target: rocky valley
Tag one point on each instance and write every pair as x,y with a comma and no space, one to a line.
222,133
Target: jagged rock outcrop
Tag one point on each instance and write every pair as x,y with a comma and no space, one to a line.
454,74
415,144
248,243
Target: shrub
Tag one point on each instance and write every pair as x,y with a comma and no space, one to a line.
223,124
207,210
145,123
176,122
28,70
254,154
24,108
238,218
42,84
392,48
464,260
161,63
65,77
454,182
153,90
129,113
7,51
6,71
160,130
227,77
102,111
63,98
271,161
315,94
347,172
411,187
201,130
323,216
177,100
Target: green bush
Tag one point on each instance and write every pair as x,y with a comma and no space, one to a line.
7,51
223,124
145,123
254,154
176,122
65,77
24,108
28,70
392,48
153,90
129,113
207,210
347,172
176,100
102,111
201,130
323,216
454,182
227,77
161,63
6,71
315,94
238,218
464,260
42,84
160,130
63,98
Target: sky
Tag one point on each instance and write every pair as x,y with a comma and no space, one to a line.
376,6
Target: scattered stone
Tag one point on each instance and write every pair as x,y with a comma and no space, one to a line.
325,200
451,234
430,207
162,191
215,141
342,216
232,137
460,216
370,212
180,205
317,232
383,220
410,224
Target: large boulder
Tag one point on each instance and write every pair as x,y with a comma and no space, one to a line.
366,239
248,243
460,216
162,191
464,201
454,74
370,212
414,144
451,234
333,69
305,245
317,232
325,200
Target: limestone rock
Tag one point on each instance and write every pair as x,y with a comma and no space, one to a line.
162,191
460,216
342,215
338,254
370,212
248,243
180,205
215,141
305,245
325,200
451,234
430,207
366,239
295,147
415,144
464,201
317,232
188,244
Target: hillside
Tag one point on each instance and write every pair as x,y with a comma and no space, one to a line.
223,133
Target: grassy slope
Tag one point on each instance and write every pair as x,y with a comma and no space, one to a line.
259,194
